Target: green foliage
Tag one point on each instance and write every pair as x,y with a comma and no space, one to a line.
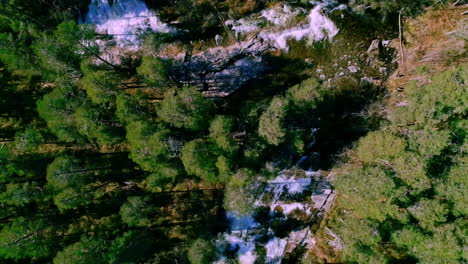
434,104
201,252
379,147
361,240
306,95
271,125
186,108
88,250
221,129
414,167
67,188
165,174
429,213
21,194
441,247
411,168
136,211
149,145
61,53
67,171
57,108
72,180
238,196
224,166
92,123
429,141
454,189
26,239
131,108
370,186
199,159
101,87
154,72
29,139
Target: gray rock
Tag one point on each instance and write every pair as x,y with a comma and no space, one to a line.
374,47
353,69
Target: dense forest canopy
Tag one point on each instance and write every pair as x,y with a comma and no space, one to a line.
105,162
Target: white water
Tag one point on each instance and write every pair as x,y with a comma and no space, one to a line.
275,249
244,230
281,16
319,27
281,29
124,20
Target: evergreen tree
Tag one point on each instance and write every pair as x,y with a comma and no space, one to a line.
90,250
186,108
27,239
154,72
271,125
199,159
149,145
137,211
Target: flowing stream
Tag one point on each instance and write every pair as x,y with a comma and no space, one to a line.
295,194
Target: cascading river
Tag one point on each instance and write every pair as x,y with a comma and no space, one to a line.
124,19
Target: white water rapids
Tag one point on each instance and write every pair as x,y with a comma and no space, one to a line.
124,19
280,197
283,25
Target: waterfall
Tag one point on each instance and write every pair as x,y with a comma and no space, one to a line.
124,19
288,194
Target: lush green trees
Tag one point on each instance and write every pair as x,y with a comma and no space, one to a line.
93,170
87,250
130,108
407,180
101,87
186,108
199,158
136,211
149,144
27,239
22,194
271,125
287,117
221,129
57,108
154,72
441,247
201,251
76,182
93,123
239,196
61,53
307,94
29,139
453,188
165,174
